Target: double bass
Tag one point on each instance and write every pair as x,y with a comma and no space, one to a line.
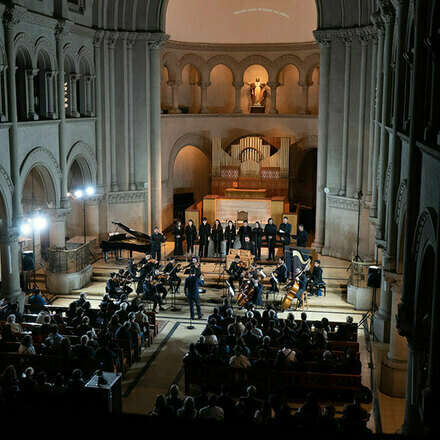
293,290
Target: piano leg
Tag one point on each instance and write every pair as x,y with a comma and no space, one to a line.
106,257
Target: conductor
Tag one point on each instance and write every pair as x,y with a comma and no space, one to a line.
192,284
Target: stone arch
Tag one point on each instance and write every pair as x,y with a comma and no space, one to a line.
6,190
196,140
70,65
43,45
226,60
281,62
23,48
309,65
256,59
170,61
48,168
83,155
196,61
85,59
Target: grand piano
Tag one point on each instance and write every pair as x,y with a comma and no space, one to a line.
118,242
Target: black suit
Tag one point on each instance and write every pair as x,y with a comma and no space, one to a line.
285,235
156,240
258,237
191,237
270,231
217,238
301,238
204,233
234,272
230,234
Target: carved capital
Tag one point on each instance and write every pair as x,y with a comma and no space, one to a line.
273,84
324,38
174,83
204,84
405,321
111,38
131,40
238,84
30,73
157,40
97,39
62,29
13,16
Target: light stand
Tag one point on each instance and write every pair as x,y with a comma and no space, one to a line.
83,194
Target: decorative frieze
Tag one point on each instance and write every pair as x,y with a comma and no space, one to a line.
344,203
123,197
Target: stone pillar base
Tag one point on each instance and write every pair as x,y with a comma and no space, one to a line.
393,378
318,246
381,327
359,297
66,282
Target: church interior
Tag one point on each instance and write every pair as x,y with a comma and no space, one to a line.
222,211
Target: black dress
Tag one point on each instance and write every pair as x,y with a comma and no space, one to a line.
258,237
204,234
178,239
229,237
217,238
270,231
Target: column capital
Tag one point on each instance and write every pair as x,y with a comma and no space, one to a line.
111,38
59,215
13,17
74,76
405,321
62,29
50,74
238,84
346,36
174,83
204,84
305,84
9,235
131,40
324,38
97,39
157,39
32,72
273,84
89,77
387,12
393,279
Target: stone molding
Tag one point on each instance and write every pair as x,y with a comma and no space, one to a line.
402,195
7,179
123,197
13,16
422,234
344,203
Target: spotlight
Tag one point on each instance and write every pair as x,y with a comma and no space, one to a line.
78,194
90,190
39,222
25,228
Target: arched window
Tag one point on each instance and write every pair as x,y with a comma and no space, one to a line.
24,78
86,89
189,92
71,78
45,87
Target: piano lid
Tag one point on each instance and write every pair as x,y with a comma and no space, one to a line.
141,235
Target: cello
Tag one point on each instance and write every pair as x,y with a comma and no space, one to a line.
293,290
245,295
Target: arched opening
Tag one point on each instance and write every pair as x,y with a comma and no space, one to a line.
75,179
289,95
302,183
3,230
164,90
38,196
85,89
191,179
189,91
255,76
221,93
25,94
70,88
44,87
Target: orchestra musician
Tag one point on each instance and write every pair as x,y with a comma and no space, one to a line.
157,238
192,285
159,280
112,286
132,269
235,271
244,231
191,236
270,231
217,237
258,237
230,234
204,234
179,232
302,281
280,273
149,293
257,298
285,231
248,245
193,267
316,281
171,270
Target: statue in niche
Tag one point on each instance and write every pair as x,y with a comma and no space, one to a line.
258,93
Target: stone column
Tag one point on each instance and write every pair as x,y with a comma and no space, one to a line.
73,98
237,86
364,38
11,18
131,40
371,164
111,38
125,86
156,150
204,96
377,113
61,32
174,96
273,96
2,108
50,88
382,318
395,147
305,86
30,75
88,107
57,232
98,123
10,252
394,367
321,181
383,148
347,40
